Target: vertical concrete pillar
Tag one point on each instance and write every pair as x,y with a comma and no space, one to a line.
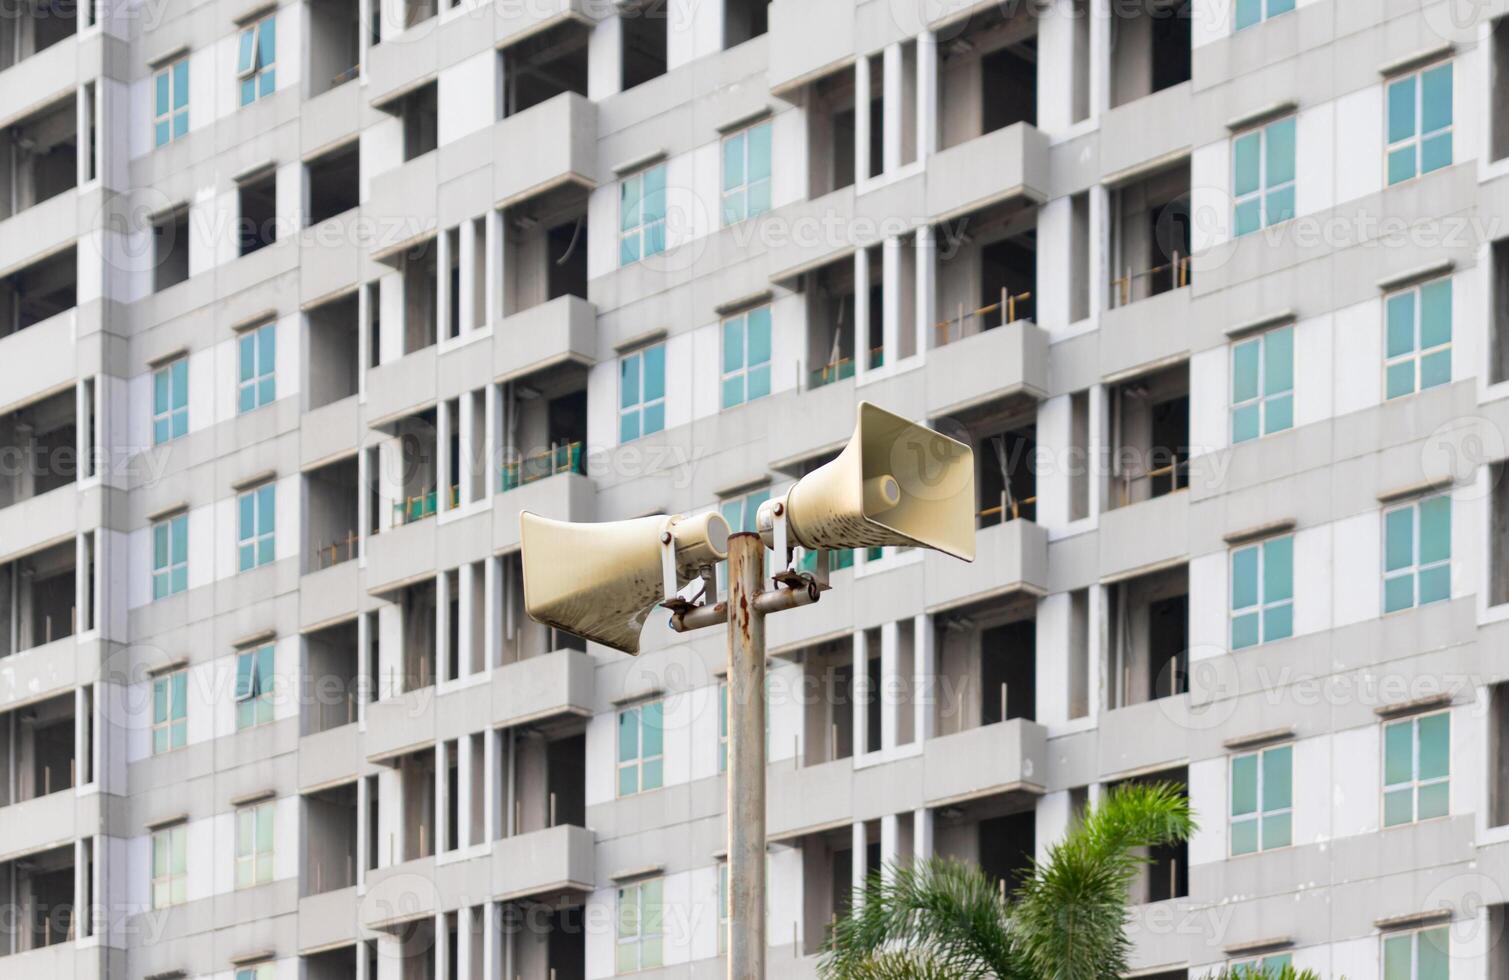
467,642
491,962
1096,655
1052,816
490,611
1055,265
891,88
365,11
862,694
860,844
83,902
364,478
465,791
890,298
363,321
890,704
363,845
927,96
365,688
925,293
890,842
467,279
861,120
494,286
490,785
1052,658
82,599
443,297
465,951
1097,457
925,678
1055,67
492,459
443,952
82,750
443,840
922,834
442,626
861,313
469,444
442,456
1100,249
1100,56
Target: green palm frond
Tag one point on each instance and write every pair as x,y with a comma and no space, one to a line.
1069,917
1286,972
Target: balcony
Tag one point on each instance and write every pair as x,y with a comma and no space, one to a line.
1007,164
561,136
1009,756
39,358
558,331
550,685
1009,557
808,39
1148,534
1007,360
561,496
544,862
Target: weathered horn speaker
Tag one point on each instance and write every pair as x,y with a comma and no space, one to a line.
601,580
895,483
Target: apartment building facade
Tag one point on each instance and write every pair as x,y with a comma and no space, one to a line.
306,301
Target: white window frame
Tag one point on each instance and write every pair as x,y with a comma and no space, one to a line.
1415,783
260,690
1415,936
260,372
252,859
641,935
1417,140
1259,814
176,526
170,117
1418,353
742,371
1261,399
638,762
743,188
640,230
255,69
174,838
1263,190
169,723
1263,604
173,411
258,533
1415,568
639,407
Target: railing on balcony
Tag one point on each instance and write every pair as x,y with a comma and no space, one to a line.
1164,480
567,458
416,508
1171,275
1009,509
335,552
1010,308
843,368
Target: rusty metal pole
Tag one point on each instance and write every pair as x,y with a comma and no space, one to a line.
746,759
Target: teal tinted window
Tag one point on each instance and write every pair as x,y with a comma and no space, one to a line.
641,393
1417,338
1416,768
1262,385
1419,123
1263,173
1261,800
170,556
256,376
746,357
170,401
256,58
254,687
1262,592
256,519
170,709
1250,12
641,215
641,749
170,102
1417,553
746,174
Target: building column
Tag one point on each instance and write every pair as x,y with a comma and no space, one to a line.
470,442
467,642
492,459
891,89
83,737
922,834
1100,249
464,951
465,791
83,598
860,844
926,267
493,288
363,498
363,845
890,842
490,610
862,694
861,313
443,297
890,299
442,626
890,706
925,678
466,236
927,95
442,799
1095,655
861,120
491,967
490,785
1096,455
366,689
443,952
442,456
83,902
1099,12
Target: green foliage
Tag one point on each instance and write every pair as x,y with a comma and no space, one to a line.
1253,973
944,918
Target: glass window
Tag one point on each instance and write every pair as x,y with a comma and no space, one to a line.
641,215
1262,592
256,384
170,556
1417,553
170,712
254,687
1419,123
641,393
1416,768
641,748
746,174
640,940
262,971
1261,800
1264,966
1262,385
1417,338
170,102
746,357
256,526
1263,177
170,401
256,57
254,844
723,907
1249,12
1419,955
170,860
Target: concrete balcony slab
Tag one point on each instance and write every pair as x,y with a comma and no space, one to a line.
545,146
41,358
1009,163
47,821
544,862
548,686
997,363
1010,557
1149,535
561,331
1010,756
562,497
